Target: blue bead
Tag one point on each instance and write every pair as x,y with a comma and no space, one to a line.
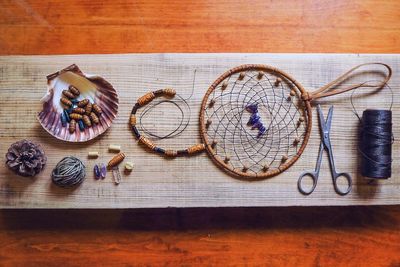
97,173
254,118
103,171
66,114
257,125
81,125
63,119
261,131
74,101
253,108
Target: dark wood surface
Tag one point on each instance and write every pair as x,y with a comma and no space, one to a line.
357,236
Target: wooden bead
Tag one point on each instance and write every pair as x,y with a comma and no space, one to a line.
292,93
211,103
296,141
86,120
97,109
278,81
114,148
83,103
93,154
143,100
171,153
260,75
132,120
301,119
224,85
227,159
88,109
214,143
68,94
94,118
196,149
169,92
208,123
245,168
265,167
79,111
74,90
129,166
241,76
284,158
147,142
116,160
75,116
72,126
66,101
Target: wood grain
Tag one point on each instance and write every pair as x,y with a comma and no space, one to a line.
350,236
192,181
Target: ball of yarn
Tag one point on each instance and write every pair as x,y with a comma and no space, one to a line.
69,172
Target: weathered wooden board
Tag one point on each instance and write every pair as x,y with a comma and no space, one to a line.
183,182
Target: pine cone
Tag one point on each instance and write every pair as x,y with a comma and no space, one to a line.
25,158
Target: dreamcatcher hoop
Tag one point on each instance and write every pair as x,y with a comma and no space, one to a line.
294,91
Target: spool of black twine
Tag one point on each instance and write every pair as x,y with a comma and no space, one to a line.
375,143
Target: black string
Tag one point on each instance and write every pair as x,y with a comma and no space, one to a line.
375,140
180,103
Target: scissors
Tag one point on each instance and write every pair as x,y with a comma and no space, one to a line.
325,128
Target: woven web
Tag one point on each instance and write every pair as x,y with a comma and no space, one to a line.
279,112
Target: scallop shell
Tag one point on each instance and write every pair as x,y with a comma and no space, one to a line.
92,87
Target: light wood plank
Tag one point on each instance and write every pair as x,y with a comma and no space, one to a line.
182,182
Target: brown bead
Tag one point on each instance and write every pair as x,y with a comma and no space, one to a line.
266,167
245,168
86,120
171,153
116,160
292,93
214,143
97,109
301,119
66,101
83,103
196,149
211,103
94,118
132,120
72,126
296,141
68,94
208,123
278,81
88,108
241,76
169,92
284,158
260,75
227,159
74,90
79,111
224,85
75,116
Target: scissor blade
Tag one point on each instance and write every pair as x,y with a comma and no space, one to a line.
321,120
329,120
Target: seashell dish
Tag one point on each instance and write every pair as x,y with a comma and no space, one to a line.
92,87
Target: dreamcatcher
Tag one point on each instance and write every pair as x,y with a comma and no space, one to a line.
255,120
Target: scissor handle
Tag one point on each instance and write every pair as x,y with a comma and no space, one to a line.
335,177
314,178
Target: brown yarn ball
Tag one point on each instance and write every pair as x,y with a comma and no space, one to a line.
26,158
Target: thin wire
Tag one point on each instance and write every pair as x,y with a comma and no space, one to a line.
182,125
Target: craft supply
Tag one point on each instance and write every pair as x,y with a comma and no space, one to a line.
72,126
96,170
66,101
88,108
68,94
83,103
116,175
129,166
375,144
116,160
74,90
74,103
80,111
69,172
75,116
96,109
94,118
114,148
280,109
103,171
81,125
87,120
93,154
146,99
25,158
325,128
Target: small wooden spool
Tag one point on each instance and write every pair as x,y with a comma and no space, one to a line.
147,142
196,149
116,160
171,153
147,98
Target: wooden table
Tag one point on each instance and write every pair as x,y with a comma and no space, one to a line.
234,236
